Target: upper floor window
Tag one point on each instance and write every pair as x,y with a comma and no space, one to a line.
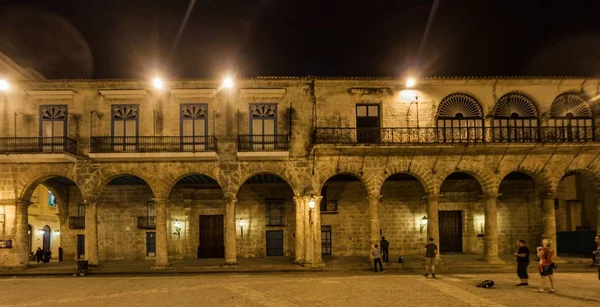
459,119
571,119
53,121
515,119
194,126
125,125
367,123
275,212
263,125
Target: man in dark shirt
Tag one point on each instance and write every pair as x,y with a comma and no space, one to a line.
385,249
430,254
522,263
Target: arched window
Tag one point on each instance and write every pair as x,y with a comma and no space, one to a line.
515,119
459,119
571,120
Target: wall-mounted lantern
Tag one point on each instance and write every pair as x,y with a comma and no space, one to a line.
311,206
241,224
177,227
423,223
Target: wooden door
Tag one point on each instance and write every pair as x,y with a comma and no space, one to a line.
80,246
274,242
212,244
326,240
450,228
151,244
367,123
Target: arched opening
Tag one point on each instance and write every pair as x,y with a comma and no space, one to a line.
519,212
401,211
461,214
515,119
265,217
196,218
345,217
53,205
576,213
119,207
459,119
571,120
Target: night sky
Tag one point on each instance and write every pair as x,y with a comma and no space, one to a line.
125,39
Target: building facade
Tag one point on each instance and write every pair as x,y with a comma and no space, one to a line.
298,167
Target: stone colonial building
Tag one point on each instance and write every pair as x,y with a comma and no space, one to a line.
297,166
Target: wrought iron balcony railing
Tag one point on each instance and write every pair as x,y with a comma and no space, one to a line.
107,144
265,142
77,222
441,135
146,222
38,145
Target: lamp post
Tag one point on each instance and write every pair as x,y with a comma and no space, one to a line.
15,120
311,206
423,223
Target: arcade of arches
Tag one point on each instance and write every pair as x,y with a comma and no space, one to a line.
266,216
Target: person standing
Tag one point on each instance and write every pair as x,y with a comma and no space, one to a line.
38,255
522,263
597,255
377,257
545,253
431,251
385,250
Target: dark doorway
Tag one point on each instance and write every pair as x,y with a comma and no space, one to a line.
211,237
450,228
367,123
326,240
47,237
274,242
150,244
30,233
80,246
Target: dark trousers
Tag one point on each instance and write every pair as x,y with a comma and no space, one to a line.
376,261
385,253
522,270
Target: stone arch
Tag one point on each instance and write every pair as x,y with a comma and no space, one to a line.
107,178
459,103
26,185
485,178
172,179
540,176
594,176
368,181
418,171
285,175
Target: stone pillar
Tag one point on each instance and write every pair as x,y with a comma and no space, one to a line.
162,251
433,220
91,232
549,221
490,240
316,228
21,241
299,235
230,232
374,237
312,231
598,216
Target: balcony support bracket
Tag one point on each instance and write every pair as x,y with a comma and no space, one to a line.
552,155
314,154
433,170
594,160
523,160
411,161
362,165
387,161
497,170
456,168
337,167
575,157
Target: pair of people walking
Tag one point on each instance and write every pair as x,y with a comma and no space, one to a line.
381,251
546,265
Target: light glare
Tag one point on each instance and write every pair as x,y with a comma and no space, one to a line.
228,82
157,83
4,86
410,82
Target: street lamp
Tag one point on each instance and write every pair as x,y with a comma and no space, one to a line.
4,86
158,83
423,223
241,224
410,82
227,82
311,206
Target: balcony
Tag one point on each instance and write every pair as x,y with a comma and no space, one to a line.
38,149
440,135
146,222
263,147
154,148
76,222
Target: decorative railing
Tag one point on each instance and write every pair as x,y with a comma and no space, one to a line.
77,222
441,135
38,145
265,142
146,222
105,144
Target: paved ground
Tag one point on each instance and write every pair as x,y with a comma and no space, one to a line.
295,289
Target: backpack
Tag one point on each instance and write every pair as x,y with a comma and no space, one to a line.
486,284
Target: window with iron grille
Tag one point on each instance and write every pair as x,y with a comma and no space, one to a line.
327,205
275,212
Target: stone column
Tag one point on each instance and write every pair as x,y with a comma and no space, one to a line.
549,221
490,240
299,235
91,232
433,231
316,228
161,260
373,223
21,242
309,250
598,216
230,233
